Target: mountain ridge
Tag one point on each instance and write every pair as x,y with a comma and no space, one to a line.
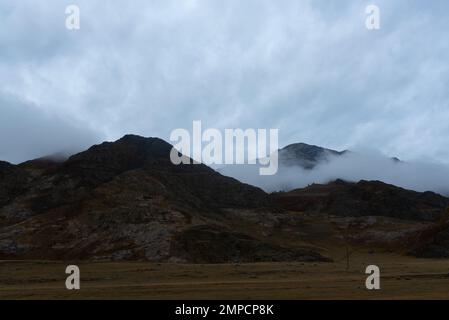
125,200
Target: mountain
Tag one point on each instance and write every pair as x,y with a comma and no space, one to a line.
12,182
365,198
309,156
37,166
305,155
126,200
374,215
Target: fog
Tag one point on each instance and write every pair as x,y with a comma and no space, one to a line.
352,166
27,132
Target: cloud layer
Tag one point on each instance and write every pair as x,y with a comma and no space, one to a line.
309,68
352,166
27,132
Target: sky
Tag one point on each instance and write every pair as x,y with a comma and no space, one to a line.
309,68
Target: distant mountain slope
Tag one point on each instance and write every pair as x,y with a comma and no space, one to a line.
39,166
126,200
365,198
13,181
305,155
309,156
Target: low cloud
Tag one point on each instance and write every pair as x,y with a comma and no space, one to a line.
27,132
350,167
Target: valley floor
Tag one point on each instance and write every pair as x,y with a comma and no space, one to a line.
401,278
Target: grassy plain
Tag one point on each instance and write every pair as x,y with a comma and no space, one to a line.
402,277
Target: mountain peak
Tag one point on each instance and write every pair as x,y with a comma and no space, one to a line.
134,138
305,155
128,147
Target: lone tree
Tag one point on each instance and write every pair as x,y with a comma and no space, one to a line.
346,231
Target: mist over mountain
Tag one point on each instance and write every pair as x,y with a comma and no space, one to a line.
301,165
126,200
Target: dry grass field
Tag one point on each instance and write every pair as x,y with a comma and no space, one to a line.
401,278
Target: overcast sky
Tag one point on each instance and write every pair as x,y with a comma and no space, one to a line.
309,68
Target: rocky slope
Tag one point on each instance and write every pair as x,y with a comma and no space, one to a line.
365,198
126,200
372,213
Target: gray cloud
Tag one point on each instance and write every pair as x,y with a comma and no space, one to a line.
27,133
352,166
309,68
